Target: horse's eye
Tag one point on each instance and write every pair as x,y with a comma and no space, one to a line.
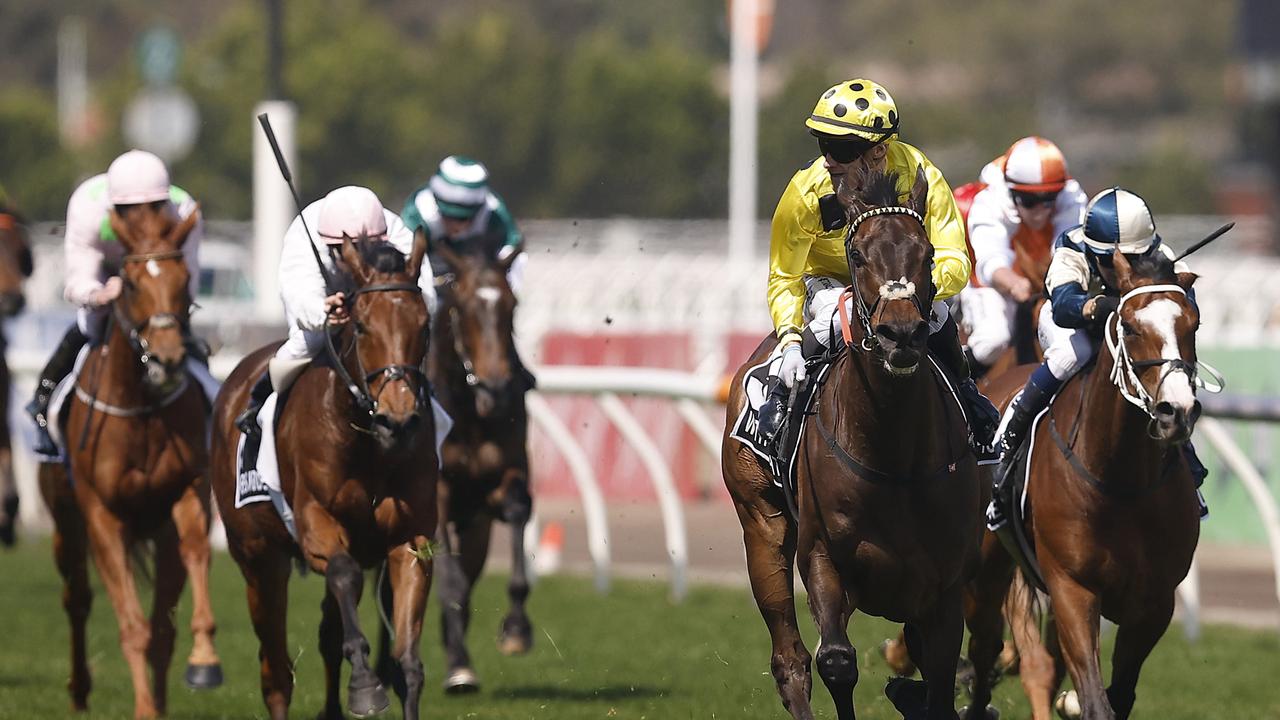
1128,327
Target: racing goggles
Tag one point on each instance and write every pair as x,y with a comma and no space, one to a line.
843,152
1031,201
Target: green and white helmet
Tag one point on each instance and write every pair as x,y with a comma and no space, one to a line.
460,187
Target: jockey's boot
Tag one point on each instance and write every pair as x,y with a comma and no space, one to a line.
59,365
1022,411
772,411
247,421
1198,473
983,416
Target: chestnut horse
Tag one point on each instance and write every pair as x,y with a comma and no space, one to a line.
1111,504
485,457
15,266
135,429
357,463
888,495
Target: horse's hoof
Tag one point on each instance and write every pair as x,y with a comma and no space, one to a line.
1067,705
899,661
203,677
462,681
965,675
367,701
991,714
515,637
910,697
7,536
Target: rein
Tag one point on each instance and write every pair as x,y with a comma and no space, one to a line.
359,388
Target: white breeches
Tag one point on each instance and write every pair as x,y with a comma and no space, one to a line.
92,321
1065,350
988,319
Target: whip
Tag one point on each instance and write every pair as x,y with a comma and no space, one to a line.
288,178
1212,236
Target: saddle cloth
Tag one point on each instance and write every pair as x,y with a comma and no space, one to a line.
261,483
58,401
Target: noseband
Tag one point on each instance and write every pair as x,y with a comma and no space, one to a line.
893,290
1124,373
160,321
359,389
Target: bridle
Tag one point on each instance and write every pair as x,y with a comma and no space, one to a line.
894,289
358,386
133,331
460,348
1124,373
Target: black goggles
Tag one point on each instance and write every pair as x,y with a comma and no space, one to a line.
841,152
1034,200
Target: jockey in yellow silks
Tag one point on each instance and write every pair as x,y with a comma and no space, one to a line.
856,124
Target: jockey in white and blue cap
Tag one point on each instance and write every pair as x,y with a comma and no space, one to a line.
1080,300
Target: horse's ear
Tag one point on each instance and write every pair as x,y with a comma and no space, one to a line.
121,229
450,257
354,259
419,250
505,263
180,232
920,193
1124,271
1186,280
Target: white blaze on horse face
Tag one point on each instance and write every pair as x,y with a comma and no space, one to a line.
153,268
898,289
1159,317
489,294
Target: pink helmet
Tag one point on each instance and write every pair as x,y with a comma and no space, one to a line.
137,177
351,211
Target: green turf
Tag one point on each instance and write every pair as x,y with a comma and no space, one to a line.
630,654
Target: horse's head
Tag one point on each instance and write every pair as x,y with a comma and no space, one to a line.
15,263
481,315
154,308
890,259
1152,336
388,329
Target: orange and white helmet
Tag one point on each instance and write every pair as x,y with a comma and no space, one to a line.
1035,165
352,212
137,177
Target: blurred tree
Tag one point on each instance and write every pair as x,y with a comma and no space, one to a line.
36,172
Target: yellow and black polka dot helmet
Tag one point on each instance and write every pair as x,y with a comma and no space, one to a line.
855,108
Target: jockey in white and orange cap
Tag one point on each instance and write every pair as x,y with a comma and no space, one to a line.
348,212
1029,199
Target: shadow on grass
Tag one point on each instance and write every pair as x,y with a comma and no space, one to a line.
553,692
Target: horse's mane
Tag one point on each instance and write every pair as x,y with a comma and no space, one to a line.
382,257
879,188
1153,265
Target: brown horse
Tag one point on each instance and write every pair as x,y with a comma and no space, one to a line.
1111,505
358,465
888,494
486,462
15,267
136,450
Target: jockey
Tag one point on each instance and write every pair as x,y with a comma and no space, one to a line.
347,212
856,123
93,256
1081,299
1029,200
456,207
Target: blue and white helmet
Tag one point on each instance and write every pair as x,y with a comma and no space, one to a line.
460,187
1117,219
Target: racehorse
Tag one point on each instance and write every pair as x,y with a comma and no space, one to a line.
15,266
485,457
358,465
887,494
135,432
1110,502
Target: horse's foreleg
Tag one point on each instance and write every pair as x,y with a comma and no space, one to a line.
8,494
344,583
770,540
109,542
941,633
191,517
1134,641
516,634
170,578
832,604
1077,612
71,554
410,575
465,548
267,587
984,603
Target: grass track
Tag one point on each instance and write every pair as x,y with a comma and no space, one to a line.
631,654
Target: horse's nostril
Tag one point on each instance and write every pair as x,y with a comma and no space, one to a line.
1196,409
920,334
1164,409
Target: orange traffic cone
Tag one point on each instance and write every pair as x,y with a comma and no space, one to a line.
547,560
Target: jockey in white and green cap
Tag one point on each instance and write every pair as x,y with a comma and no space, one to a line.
456,206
